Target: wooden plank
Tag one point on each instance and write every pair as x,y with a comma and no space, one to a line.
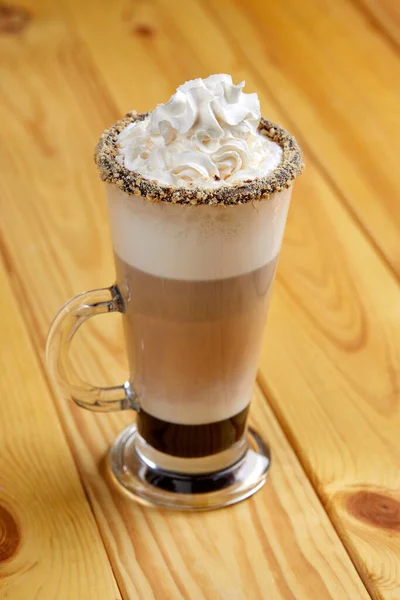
50,546
384,16
334,325
333,77
334,322
280,542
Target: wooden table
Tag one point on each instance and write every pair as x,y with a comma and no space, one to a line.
327,523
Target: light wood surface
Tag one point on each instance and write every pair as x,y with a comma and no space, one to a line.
329,368
50,546
384,17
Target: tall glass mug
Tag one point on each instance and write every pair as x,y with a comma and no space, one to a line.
193,285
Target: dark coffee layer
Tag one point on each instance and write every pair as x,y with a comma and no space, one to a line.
191,441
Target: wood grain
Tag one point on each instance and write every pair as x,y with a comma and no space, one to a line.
334,322
50,546
279,543
384,17
332,75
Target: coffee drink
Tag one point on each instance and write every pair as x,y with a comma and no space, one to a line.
195,276
198,192
194,314
194,345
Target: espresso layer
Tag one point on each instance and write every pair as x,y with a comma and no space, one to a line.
191,441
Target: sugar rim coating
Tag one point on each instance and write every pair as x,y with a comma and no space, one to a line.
133,183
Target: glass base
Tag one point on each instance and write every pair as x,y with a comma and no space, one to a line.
147,483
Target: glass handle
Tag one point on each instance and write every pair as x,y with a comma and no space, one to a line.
67,322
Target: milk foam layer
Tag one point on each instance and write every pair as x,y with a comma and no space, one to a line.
212,404
205,135
196,243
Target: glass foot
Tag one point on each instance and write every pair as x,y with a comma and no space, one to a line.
151,485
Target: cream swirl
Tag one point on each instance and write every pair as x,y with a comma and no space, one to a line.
205,135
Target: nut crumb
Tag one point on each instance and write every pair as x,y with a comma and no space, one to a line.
259,188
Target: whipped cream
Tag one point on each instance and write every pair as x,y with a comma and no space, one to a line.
206,135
